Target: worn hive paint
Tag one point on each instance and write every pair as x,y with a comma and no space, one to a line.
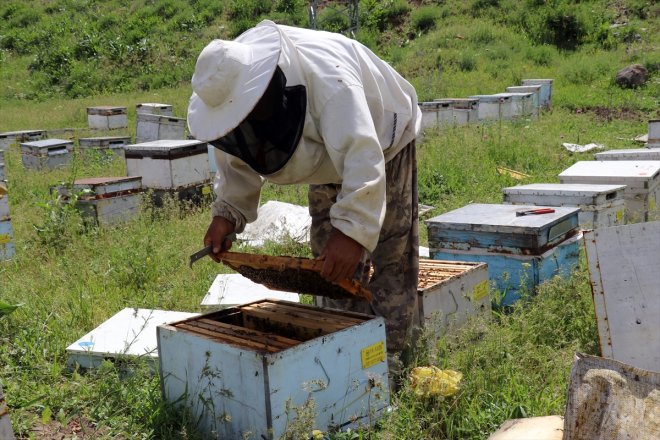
107,200
238,370
128,333
600,205
151,127
107,117
450,292
545,97
46,153
623,266
642,180
520,251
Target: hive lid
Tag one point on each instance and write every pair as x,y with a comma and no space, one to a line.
630,154
496,226
165,148
48,143
563,189
130,332
489,98
618,171
21,133
106,110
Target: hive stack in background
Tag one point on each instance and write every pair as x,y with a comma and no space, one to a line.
7,249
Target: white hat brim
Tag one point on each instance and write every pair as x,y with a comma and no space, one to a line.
208,123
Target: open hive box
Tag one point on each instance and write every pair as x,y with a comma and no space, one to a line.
451,291
242,369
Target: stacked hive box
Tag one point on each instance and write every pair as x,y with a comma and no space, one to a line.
521,105
521,251
46,154
240,371
151,127
600,205
653,140
436,114
11,137
6,233
545,95
107,117
535,90
450,292
177,167
642,180
97,146
153,108
107,200
493,107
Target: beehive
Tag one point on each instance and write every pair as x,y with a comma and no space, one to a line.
6,431
104,144
545,96
240,371
47,153
4,197
7,249
154,108
642,180
653,134
11,137
493,107
521,105
630,154
107,200
600,205
535,90
107,117
450,292
521,252
151,127
436,114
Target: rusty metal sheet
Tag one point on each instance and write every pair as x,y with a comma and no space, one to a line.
623,266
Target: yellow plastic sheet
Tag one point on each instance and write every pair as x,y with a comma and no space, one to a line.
432,381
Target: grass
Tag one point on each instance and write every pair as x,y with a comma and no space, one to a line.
70,277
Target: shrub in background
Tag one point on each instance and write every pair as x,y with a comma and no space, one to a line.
424,18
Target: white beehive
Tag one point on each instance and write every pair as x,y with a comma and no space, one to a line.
233,289
47,153
546,90
6,431
466,110
653,134
7,249
4,198
168,164
493,107
629,154
436,114
521,105
150,127
450,292
107,200
11,137
242,370
600,205
642,180
535,90
129,333
154,108
102,144
2,167
107,117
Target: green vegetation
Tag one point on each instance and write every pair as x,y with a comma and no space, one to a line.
61,56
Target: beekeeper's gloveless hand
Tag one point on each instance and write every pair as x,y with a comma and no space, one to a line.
217,233
341,257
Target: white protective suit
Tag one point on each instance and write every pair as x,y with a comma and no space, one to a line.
360,114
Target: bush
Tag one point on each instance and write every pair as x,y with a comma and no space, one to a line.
249,9
559,26
423,19
332,20
541,55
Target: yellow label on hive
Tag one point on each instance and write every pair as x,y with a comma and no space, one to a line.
373,354
480,291
4,238
206,190
619,215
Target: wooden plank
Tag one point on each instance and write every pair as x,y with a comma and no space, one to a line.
294,322
247,333
623,266
312,314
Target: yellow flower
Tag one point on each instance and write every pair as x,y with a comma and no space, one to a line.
317,435
432,381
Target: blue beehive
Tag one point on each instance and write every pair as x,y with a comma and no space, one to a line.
521,251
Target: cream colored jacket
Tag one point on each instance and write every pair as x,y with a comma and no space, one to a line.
360,114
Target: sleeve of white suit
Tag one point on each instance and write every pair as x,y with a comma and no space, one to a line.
352,143
237,188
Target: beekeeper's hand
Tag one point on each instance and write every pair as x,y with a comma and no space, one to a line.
341,257
218,236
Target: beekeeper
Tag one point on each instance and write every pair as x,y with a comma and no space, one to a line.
296,106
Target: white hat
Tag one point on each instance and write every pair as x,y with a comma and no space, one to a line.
230,77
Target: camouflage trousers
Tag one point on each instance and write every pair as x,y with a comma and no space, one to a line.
395,260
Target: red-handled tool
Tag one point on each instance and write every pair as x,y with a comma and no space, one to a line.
538,211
